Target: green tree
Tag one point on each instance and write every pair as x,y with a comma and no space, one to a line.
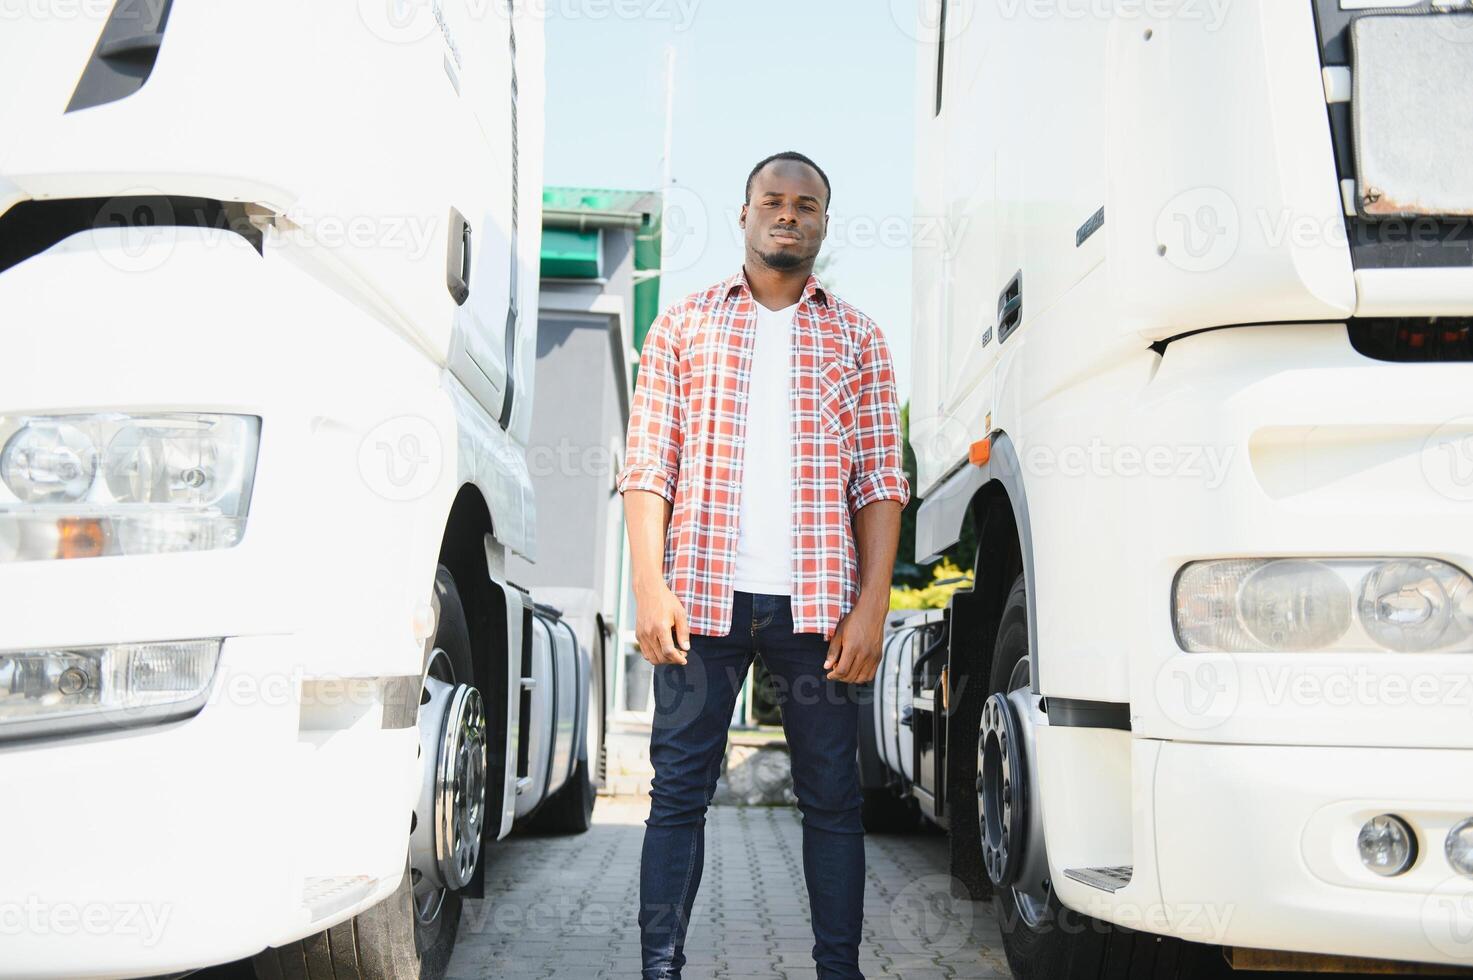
962,555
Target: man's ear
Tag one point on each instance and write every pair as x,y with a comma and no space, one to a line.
742,218
825,227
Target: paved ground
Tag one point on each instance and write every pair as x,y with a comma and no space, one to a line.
565,907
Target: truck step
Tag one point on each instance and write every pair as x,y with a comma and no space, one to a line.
1105,879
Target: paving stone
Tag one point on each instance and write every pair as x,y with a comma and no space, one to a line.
566,906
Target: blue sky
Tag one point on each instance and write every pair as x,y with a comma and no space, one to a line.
831,78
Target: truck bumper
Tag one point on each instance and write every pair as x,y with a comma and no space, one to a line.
1254,846
279,809
1263,842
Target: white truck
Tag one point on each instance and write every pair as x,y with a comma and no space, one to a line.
268,286
1193,357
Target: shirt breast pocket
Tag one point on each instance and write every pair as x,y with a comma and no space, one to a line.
837,398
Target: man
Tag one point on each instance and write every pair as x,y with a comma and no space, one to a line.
765,424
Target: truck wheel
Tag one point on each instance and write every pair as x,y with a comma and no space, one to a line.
410,935
1042,939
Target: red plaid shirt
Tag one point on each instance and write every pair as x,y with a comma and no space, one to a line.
687,428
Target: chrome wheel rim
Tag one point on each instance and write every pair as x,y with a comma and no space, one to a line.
1011,824
449,816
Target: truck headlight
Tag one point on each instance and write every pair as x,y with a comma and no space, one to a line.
45,692
1406,605
83,486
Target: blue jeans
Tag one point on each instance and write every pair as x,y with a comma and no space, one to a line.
693,709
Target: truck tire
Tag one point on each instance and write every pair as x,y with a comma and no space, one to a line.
1043,940
399,938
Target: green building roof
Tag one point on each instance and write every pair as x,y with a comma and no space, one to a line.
572,220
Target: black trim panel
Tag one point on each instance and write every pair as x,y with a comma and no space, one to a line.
1072,713
31,227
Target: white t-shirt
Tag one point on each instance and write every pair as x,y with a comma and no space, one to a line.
764,556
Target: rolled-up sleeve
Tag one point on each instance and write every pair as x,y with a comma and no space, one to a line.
656,417
879,469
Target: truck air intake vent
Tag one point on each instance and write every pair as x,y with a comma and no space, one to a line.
125,53
31,227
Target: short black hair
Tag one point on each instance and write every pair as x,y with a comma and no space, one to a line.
800,158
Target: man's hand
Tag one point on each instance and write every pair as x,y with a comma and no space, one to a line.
659,624
854,651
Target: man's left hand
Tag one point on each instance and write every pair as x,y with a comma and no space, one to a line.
854,650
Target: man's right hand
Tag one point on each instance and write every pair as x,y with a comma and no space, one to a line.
660,624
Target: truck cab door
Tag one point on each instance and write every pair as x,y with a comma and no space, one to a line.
482,266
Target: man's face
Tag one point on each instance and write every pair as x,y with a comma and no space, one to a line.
784,221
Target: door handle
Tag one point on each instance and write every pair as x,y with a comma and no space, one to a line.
458,259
